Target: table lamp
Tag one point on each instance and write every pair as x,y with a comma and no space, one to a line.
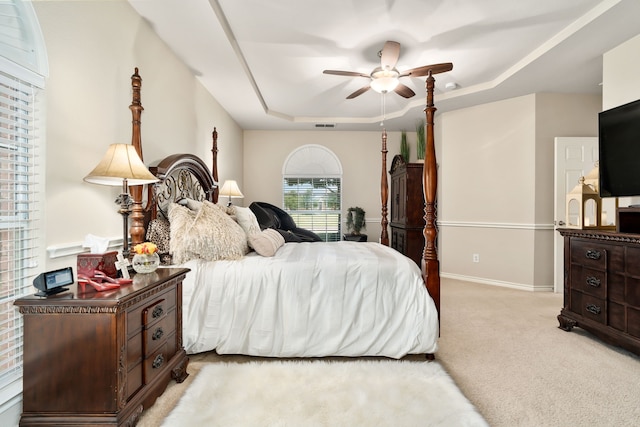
121,166
230,189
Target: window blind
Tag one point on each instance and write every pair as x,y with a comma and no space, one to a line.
20,218
315,204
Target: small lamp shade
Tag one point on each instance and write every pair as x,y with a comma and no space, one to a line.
230,189
120,162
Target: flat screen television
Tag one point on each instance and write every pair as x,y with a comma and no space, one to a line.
619,150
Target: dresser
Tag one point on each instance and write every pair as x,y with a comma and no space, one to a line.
407,208
602,285
100,358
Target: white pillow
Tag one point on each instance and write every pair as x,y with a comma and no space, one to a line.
267,242
208,234
247,220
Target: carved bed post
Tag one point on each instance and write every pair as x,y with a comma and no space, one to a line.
136,230
214,167
384,191
430,263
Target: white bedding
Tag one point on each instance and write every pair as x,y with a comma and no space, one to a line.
310,300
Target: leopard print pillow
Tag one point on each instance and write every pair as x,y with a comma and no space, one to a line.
158,233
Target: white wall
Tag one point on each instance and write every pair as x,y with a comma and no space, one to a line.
496,186
621,83
358,152
93,48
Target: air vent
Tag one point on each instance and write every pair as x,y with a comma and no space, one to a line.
325,125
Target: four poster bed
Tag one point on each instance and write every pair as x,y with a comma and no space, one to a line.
293,299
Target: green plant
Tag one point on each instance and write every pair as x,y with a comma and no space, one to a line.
356,220
404,146
421,139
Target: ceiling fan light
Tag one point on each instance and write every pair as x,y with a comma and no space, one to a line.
384,83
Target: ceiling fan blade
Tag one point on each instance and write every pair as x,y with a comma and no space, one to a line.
404,91
424,70
345,73
359,92
390,55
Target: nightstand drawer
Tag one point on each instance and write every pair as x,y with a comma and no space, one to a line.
155,363
150,311
157,333
158,308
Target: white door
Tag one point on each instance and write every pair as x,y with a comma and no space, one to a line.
574,157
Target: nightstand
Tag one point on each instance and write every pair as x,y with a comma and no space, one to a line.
100,358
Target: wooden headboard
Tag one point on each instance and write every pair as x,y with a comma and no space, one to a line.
182,176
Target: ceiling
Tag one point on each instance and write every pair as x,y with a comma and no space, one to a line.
263,61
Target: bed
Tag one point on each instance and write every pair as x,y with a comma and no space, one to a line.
294,299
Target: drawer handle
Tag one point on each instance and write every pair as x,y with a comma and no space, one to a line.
157,362
593,254
157,334
593,281
157,311
593,309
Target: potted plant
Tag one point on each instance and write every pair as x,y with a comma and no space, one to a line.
404,147
421,143
355,223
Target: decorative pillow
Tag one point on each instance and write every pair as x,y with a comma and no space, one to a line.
194,205
158,233
208,234
246,219
267,242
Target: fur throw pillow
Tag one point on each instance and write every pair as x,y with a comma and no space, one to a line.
208,233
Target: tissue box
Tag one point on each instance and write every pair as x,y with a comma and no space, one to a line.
106,262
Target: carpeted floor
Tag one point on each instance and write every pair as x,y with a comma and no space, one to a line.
503,349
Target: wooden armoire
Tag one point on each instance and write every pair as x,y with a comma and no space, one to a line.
407,208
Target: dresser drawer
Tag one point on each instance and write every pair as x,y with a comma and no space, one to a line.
594,308
589,254
157,333
590,281
398,239
633,322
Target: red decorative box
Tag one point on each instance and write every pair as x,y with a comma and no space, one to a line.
106,262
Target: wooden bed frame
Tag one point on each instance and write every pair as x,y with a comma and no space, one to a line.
176,173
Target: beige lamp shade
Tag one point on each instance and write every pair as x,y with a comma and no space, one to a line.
230,189
121,162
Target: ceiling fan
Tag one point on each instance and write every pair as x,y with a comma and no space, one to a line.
385,78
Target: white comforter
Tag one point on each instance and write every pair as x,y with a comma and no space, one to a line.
310,299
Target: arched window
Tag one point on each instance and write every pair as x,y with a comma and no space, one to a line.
312,183
23,68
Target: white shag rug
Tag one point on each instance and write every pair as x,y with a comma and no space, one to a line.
324,393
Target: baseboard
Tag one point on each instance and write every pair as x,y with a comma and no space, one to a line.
511,285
